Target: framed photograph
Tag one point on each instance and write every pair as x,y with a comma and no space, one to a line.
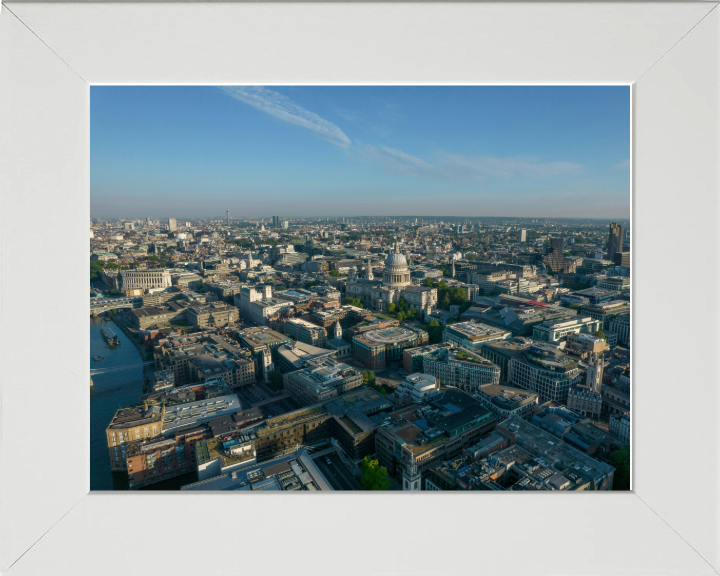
112,113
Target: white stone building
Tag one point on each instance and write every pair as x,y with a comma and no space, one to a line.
396,283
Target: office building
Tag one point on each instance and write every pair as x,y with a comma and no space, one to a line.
473,335
172,224
419,437
583,345
557,331
460,368
545,370
615,241
190,414
614,284
213,314
296,471
258,304
556,261
577,468
307,332
502,352
156,316
413,357
129,425
417,387
620,426
620,325
506,401
294,355
377,348
144,279
212,357
321,379
622,259
522,236
606,311
152,461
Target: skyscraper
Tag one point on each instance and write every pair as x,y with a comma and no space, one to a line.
615,240
522,235
556,260
172,224
228,216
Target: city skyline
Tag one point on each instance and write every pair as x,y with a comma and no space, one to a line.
533,151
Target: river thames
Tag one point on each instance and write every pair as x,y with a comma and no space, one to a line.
117,388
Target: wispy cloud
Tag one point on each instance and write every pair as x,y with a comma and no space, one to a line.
445,166
399,163
457,167
624,165
284,109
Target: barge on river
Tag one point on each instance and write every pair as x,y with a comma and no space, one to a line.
110,337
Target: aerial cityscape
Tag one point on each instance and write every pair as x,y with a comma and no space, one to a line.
274,336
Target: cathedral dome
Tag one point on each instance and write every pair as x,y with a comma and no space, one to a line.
396,259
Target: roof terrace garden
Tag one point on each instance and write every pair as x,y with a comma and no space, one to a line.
215,450
350,425
291,419
465,357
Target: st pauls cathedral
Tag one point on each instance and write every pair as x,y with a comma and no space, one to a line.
395,284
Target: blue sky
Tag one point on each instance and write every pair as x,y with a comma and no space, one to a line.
195,151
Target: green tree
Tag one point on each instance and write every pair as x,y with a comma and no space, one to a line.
334,273
96,269
353,301
276,380
391,308
600,334
374,476
368,378
435,331
620,460
402,304
445,302
428,283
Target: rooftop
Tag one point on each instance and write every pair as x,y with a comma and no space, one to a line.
476,332
388,335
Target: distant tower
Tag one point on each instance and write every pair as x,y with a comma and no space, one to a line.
228,216
615,240
337,330
452,271
594,372
369,271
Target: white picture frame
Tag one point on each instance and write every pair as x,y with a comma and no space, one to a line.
50,53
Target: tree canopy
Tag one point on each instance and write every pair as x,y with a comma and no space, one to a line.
600,334
334,273
620,460
353,301
374,476
276,380
435,331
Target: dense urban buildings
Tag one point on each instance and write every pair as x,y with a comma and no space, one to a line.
276,354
